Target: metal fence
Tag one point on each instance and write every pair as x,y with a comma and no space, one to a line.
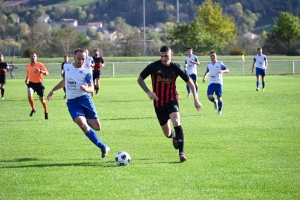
120,69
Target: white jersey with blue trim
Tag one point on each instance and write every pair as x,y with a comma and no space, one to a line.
260,61
75,78
191,68
214,72
89,60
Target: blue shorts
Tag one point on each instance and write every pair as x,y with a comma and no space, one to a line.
215,88
260,72
193,77
82,106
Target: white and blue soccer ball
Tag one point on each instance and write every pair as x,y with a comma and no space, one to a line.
123,158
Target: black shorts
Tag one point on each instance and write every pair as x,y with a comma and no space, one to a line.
164,111
2,79
37,87
96,74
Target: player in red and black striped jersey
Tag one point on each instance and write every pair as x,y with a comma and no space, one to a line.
98,64
3,68
165,97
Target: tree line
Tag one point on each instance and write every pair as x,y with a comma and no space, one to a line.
206,26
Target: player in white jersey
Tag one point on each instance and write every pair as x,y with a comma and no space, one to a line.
261,63
78,81
215,70
191,62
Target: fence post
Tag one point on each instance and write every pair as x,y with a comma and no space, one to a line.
293,67
113,70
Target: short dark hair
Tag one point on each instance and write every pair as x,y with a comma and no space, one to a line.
259,48
189,48
165,49
212,52
80,50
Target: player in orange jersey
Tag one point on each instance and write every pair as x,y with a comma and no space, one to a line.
34,82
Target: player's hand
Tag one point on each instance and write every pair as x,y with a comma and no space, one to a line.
49,96
203,80
221,72
37,70
84,88
198,105
152,96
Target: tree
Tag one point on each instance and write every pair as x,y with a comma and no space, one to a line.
287,27
217,24
209,31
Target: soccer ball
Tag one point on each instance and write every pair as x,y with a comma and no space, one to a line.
122,158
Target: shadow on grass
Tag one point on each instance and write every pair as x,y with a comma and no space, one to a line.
108,163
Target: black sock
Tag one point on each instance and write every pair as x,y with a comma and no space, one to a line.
179,137
2,92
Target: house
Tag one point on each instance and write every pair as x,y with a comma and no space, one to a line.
70,22
12,4
250,36
110,36
96,24
83,29
43,18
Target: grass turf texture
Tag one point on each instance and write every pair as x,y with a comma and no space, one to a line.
250,152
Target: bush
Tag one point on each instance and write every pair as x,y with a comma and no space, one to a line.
28,51
237,51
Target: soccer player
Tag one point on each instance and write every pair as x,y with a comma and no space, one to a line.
89,61
34,82
12,68
79,82
98,64
215,70
3,68
66,60
261,64
191,62
165,97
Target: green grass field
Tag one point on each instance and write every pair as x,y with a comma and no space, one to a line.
252,151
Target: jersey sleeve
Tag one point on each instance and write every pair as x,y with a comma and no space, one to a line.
89,78
43,68
146,72
223,67
182,72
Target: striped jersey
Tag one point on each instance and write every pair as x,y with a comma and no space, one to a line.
164,80
75,78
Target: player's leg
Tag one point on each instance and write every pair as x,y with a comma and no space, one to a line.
76,110
30,91
194,78
210,95
91,114
97,86
257,79
263,80
219,92
163,119
40,89
188,89
2,89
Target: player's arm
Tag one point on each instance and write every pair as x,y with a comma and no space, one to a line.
253,65
205,75
224,69
43,70
143,85
266,63
193,89
60,85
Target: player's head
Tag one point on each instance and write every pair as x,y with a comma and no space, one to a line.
165,55
213,56
189,50
1,57
66,58
79,57
96,52
33,57
259,50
